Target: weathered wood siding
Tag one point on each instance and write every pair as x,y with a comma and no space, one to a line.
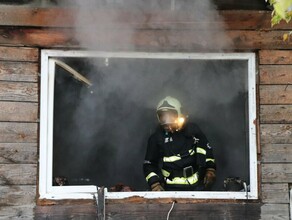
22,37
275,79
18,131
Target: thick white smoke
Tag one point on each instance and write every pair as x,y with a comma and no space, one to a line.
109,126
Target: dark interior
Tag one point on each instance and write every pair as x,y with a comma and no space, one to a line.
100,132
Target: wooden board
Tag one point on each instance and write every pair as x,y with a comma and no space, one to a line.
199,211
159,211
275,211
277,153
19,111
275,94
275,114
67,212
162,40
65,17
18,91
25,211
17,195
277,173
276,133
13,132
275,56
18,53
18,71
275,74
18,174
18,153
252,211
275,193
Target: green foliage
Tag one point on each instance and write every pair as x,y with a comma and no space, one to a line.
282,11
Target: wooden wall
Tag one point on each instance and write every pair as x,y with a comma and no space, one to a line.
22,37
18,130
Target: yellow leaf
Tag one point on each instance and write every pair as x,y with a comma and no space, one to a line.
285,37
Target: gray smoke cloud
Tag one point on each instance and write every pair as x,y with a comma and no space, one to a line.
101,132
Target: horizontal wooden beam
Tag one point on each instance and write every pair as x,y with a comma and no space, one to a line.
276,114
277,153
156,19
275,56
277,173
18,53
13,212
124,39
19,111
19,71
276,133
18,91
17,195
275,74
275,193
157,211
275,94
76,211
18,153
18,174
13,132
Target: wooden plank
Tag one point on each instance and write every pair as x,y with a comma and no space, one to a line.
275,193
276,114
17,212
19,153
185,211
277,173
158,211
13,132
18,91
275,94
18,174
276,133
275,74
18,53
17,195
277,153
275,56
158,19
109,39
275,212
66,212
19,111
18,71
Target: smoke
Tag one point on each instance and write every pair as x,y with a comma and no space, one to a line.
101,132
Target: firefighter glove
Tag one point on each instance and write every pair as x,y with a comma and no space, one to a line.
209,178
156,187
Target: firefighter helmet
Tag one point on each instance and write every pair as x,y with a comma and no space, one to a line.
169,114
169,104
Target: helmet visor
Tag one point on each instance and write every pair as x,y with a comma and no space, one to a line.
167,117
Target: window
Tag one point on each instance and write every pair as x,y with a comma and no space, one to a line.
98,109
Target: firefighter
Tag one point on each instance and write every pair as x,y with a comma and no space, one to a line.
178,157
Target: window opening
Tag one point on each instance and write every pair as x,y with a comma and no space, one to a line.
97,134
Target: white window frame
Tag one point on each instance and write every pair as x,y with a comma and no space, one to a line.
48,191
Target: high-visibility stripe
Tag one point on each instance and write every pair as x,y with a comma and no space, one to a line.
177,157
201,151
183,181
150,175
210,159
172,158
191,152
165,173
